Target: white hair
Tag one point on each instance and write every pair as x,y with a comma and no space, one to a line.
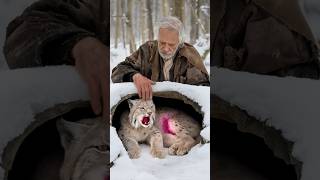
171,22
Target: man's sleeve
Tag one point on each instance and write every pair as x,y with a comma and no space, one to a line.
195,76
124,71
46,32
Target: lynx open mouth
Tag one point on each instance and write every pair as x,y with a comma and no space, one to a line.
145,120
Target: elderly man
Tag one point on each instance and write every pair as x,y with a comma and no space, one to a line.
167,59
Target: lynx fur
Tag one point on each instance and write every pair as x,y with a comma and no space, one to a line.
164,128
86,149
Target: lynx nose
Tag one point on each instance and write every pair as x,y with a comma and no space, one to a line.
149,113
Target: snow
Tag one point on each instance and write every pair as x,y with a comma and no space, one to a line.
195,165
202,44
289,104
26,92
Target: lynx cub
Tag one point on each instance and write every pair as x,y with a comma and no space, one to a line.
165,127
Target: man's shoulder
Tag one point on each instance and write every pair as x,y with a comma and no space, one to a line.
190,52
149,47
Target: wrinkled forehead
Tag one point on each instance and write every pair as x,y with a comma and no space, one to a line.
168,35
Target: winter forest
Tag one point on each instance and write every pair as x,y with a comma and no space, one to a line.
133,22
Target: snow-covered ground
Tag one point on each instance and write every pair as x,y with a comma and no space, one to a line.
289,104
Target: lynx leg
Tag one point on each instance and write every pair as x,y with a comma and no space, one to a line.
182,146
131,146
156,144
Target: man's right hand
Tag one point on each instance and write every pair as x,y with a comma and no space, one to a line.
143,85
91,58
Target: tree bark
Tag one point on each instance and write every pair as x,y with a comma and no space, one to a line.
130,34
149,19
165,8
194,33
179,9
123,23
118,18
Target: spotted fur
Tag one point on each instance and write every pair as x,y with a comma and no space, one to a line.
166,127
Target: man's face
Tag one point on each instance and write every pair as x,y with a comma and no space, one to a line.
168,41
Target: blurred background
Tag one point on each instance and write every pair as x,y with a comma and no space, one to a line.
134,21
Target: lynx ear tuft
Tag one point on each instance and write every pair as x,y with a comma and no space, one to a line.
132,102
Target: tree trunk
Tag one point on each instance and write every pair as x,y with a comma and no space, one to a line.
149,19
118,18
165,8
179,9
142,18
130,34
194,9
123,23
205,14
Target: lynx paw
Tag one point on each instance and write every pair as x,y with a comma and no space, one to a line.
158,153
178,149
134,153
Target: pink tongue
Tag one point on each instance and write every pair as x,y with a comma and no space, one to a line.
145,120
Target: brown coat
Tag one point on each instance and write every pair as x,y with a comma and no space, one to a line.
188,67
47,30
263,36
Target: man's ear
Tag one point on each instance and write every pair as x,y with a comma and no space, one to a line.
71,131
131,103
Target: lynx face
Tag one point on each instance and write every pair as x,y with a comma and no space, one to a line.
142,113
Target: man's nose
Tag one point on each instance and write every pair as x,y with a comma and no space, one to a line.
166,48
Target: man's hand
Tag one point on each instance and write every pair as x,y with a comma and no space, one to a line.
91,57
143,86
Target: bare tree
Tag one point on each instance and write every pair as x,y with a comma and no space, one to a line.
142,20
123,22
179,9
165,8
130,34
194,9
205,14
117,31
149,19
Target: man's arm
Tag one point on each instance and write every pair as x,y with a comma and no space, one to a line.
52,32
125,70
130,71
195,76
46,32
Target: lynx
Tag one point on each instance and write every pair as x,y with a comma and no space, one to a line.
164,128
